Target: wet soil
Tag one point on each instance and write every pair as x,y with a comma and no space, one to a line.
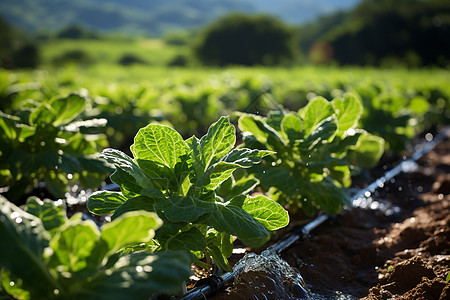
364,254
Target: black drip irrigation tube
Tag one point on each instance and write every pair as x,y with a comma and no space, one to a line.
214,284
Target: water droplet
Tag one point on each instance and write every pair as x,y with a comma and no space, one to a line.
18,220
420,189
11,283
56,291
264,172
148,268
367,194
69,176
441,196
429,137
15,215
139,269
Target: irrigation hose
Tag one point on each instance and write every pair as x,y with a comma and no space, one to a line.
213,284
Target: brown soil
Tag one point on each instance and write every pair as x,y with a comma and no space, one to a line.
367,255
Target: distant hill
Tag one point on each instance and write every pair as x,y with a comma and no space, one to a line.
152,17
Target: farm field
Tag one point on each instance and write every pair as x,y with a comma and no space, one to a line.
221,158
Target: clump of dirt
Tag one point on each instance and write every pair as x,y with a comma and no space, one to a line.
367,255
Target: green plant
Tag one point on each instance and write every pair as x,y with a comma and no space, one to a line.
44,142
314,150
178,179
44,255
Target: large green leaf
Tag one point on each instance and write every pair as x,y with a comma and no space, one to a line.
159,143
348,111
235,221
368,152
261,131
184,208
51,213
292,126
129,228
218,141
315,112
72,245
126,164
267,212
24,240
105,202
244,157
139,276
68,108
191,240
133,204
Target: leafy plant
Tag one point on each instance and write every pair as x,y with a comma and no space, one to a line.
314,150
178,179
44,255
44,142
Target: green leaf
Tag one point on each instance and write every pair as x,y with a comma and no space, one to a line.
315,112
51,213
68,108
138,276
323,133
217,174
128,184
184,208
191,240
25,239
136,203
261,131
292,125
105,202
218,141
219,258
369,151
267,212
159,143
244,157
235,221
126,164
348,111
73,244
130,228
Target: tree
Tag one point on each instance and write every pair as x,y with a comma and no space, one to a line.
239,39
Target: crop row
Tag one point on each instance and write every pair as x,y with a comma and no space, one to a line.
182,199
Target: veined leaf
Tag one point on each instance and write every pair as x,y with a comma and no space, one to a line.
159,143
235,221
244,157
105,202
128,184
217,142
68,108
21,253
348,111
368,152
261,131
136,276
184,208
267,212
324,131
126,164
191,240
315,112
52,214
292,125
73,244
129,228
136,203
217,174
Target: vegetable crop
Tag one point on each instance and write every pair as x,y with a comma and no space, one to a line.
178,179
47,142
313,152
44,255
